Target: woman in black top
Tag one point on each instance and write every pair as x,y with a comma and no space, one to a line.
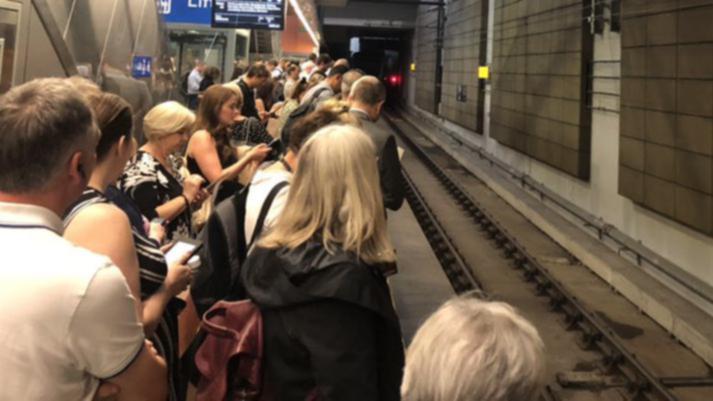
102,223
209,153
246,130
330,331
151,180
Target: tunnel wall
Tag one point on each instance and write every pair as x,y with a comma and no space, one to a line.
666,161
461,57
688,248
540,51
425,59
459,98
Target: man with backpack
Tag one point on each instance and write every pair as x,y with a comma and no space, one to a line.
326,89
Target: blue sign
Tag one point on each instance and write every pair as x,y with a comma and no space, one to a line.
141,67
185,11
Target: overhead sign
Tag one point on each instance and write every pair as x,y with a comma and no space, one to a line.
141,67
249,14
185,11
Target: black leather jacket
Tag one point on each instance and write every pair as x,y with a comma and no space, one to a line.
329,325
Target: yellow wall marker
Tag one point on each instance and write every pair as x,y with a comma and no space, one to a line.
483,72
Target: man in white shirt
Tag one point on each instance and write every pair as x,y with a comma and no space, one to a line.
271,174
194,84
68,322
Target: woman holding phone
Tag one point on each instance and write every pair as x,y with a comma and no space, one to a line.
96,222
151,179
209,153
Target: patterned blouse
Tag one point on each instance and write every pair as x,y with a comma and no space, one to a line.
151,185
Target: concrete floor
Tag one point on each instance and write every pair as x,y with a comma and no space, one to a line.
421,286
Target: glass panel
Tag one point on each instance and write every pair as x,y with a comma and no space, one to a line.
8,37
188,46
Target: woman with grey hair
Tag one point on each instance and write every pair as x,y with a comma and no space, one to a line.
474,350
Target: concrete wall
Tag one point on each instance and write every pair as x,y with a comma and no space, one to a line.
667,109
108,31
425,58
685,247
540,50
461,58
374,14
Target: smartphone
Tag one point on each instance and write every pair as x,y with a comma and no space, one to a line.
276,149
181,247
195,250
275,144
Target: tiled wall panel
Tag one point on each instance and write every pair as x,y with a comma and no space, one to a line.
538,90
461,58
426,58
666,145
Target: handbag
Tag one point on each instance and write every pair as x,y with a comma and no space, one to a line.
230,358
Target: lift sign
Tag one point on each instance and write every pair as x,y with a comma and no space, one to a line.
185,11
141,67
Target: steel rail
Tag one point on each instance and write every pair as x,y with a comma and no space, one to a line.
457,271
595,333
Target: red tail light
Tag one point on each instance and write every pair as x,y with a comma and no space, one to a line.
394,80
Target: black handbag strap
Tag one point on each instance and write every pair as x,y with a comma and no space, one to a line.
265,209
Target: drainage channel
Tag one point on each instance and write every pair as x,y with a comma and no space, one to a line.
595,334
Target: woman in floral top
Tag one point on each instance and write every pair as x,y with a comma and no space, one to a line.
150,178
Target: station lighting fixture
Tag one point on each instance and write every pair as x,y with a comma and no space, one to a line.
298,10
413,67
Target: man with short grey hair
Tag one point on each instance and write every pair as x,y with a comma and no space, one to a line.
366,99
69,323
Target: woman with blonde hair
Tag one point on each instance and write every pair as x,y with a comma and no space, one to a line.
319,278
209,153
151,179
471,349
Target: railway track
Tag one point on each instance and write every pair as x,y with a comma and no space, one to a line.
588,359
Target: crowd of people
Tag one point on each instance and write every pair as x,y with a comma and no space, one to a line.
292,223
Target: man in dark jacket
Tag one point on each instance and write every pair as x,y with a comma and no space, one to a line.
366,99
256,75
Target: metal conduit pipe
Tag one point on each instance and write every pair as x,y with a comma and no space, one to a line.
626,246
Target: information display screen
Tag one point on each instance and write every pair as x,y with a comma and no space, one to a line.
249,14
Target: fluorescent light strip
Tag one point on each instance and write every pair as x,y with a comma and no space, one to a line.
306,24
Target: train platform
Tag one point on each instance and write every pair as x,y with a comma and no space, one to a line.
421,286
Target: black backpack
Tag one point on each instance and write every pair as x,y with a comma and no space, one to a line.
225,250
301,111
